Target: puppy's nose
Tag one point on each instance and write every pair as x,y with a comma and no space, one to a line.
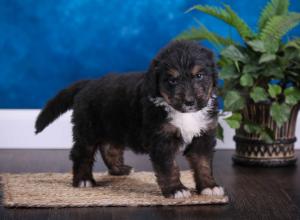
189,102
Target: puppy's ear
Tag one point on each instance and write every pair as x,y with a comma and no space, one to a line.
152,87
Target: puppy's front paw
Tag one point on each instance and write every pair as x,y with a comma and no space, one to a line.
84,183
177,193
184,193
215,191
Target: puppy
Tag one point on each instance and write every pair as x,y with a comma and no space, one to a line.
171,106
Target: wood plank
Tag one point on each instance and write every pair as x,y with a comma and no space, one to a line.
255,193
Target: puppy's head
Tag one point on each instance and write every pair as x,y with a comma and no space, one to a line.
183,74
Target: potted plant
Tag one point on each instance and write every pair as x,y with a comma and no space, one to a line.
261,81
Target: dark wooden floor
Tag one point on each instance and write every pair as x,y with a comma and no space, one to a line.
255,193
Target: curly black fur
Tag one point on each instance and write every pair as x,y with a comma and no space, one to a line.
131,110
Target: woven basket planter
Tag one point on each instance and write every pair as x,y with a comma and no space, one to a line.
250,150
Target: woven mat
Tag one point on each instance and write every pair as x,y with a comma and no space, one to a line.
55,190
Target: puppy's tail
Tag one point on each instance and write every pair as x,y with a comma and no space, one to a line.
58,105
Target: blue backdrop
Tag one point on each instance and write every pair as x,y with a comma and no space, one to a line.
46,45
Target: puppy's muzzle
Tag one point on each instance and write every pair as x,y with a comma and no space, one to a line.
189,105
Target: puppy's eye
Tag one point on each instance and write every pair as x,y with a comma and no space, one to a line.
199,76
173,81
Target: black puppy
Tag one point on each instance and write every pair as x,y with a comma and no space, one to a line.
170,106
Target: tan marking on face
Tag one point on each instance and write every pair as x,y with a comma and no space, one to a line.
196,69
165,96
173,72
210,91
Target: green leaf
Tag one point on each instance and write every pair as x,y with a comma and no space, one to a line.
228,72
267,135
240,25
246,80
251,68
257,45
228,16
258,94
252,128
276,28
272,47
237,66
292,95
280,113
233,101
267,58
292,50
274,90
202,33
273,70
295,43
234,121
233,54
273,8
290,53
220,132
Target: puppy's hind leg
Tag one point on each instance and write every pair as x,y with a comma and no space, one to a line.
83,160
113,158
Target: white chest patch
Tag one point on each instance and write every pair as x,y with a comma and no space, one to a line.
191,124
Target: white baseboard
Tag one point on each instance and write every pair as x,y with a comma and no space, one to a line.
17,131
